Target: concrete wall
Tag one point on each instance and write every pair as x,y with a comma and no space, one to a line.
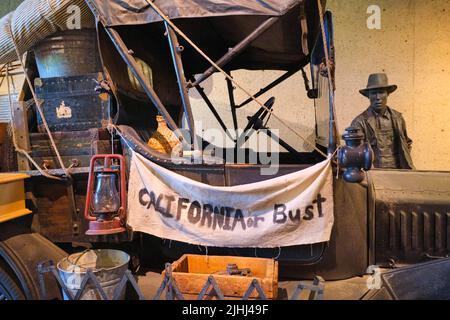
413,47
291,105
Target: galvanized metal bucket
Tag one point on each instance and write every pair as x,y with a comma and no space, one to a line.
108,266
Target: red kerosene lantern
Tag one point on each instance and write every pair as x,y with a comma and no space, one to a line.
106,207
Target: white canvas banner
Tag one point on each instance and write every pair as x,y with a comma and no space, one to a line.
293,209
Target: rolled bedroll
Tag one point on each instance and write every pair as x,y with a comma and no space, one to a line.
35,20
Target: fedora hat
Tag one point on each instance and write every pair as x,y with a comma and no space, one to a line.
378,81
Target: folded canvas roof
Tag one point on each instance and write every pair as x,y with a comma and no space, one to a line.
119,12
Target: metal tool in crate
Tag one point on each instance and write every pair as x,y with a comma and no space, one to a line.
106,207
233,270
72,103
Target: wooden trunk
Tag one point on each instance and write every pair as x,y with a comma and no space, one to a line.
71,103
74,147
191,273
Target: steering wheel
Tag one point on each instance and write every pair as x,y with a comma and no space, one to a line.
261,114
255,122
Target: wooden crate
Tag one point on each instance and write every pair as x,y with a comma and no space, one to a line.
191,273
12,196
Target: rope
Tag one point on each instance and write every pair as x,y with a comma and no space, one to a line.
16,147
38,105
185,37
112,127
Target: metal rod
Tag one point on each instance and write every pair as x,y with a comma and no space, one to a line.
3,67
232,105
281,142
332,143
11,67
273,84
205,56
211,107
233,52
250,128
11,74
72,205
125,53
243,138
175,50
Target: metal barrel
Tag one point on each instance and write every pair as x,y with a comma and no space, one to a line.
109,267
68,53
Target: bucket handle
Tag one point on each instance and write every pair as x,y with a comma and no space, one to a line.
78,258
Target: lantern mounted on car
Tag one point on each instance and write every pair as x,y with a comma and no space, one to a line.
106,205
355,156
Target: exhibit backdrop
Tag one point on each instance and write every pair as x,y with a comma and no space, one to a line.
411,45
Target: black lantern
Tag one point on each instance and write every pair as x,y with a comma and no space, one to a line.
356,156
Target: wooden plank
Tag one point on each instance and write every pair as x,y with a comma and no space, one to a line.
231,286
213,264
14,215
12,197
19,115
191,273
275,277
10,177
180,265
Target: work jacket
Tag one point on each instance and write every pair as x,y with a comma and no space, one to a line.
366,121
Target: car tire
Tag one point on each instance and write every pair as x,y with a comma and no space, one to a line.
9,290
